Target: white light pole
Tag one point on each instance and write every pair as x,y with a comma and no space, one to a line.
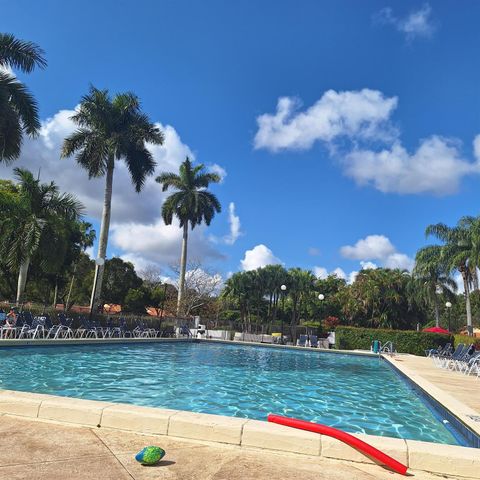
321,297
99,261
449,306
283,288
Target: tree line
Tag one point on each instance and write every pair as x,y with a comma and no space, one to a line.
109,129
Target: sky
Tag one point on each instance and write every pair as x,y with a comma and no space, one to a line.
341,129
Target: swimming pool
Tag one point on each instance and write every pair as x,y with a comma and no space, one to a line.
354,393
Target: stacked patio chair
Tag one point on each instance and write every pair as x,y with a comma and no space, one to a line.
440,359
464,357
439,351
302,341
313,341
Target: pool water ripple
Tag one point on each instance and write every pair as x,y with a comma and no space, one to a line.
357,394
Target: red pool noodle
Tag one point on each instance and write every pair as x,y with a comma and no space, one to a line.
343,437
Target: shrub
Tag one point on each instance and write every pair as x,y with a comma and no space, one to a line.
404,341
465,339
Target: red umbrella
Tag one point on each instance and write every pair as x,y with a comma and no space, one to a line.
436,330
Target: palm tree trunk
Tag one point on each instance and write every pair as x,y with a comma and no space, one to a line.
55,294
183,269
467,304
103,240
437,312
67,301
22,279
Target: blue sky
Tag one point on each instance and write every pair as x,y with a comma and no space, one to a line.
374,142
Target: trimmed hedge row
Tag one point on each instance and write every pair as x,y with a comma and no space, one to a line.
404,341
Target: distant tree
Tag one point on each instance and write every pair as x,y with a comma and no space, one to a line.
37,218
18,108
119,278
108,130
432,277
191,203
137,300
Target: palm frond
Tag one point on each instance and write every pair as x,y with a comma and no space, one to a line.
20,54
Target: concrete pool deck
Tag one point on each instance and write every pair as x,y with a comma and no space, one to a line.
51,451
244,434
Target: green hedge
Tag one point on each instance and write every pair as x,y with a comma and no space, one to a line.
404,341
467,340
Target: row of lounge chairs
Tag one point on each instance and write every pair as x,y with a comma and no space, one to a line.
307,341
463,358
28,326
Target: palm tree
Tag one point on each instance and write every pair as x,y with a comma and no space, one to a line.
460,253
191,203
300,283
18,108
39,213
108,130
432,276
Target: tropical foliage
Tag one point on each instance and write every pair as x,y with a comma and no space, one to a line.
18,108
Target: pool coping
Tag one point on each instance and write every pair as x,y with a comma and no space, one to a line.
246,433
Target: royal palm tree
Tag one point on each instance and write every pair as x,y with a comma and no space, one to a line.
18,108
111,129
35,220
191,204
432,275
458,253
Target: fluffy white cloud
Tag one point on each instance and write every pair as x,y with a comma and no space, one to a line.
259,256
368,265
436,167
377,247
220,171
159,243
359,132
368,248
136,229
322,273
418,23
399,260
354,114
234,221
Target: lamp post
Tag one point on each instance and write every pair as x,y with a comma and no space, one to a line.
449,306
99,261
438,291
321,297
283,288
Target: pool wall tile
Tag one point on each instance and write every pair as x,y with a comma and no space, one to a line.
137,419
202,426
277,437
70,410
444,459
395,447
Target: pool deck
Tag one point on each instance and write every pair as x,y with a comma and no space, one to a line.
51,451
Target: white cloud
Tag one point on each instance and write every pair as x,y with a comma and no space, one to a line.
357,129
234,221
159,243
136,229
368,265
259,256
399,260
368,248
418,23
436,167
322,273
377,247
313,251
354,114
220,171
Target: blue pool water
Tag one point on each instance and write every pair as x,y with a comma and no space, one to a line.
357,394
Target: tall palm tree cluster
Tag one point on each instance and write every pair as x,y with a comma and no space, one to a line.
458,251
109,129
